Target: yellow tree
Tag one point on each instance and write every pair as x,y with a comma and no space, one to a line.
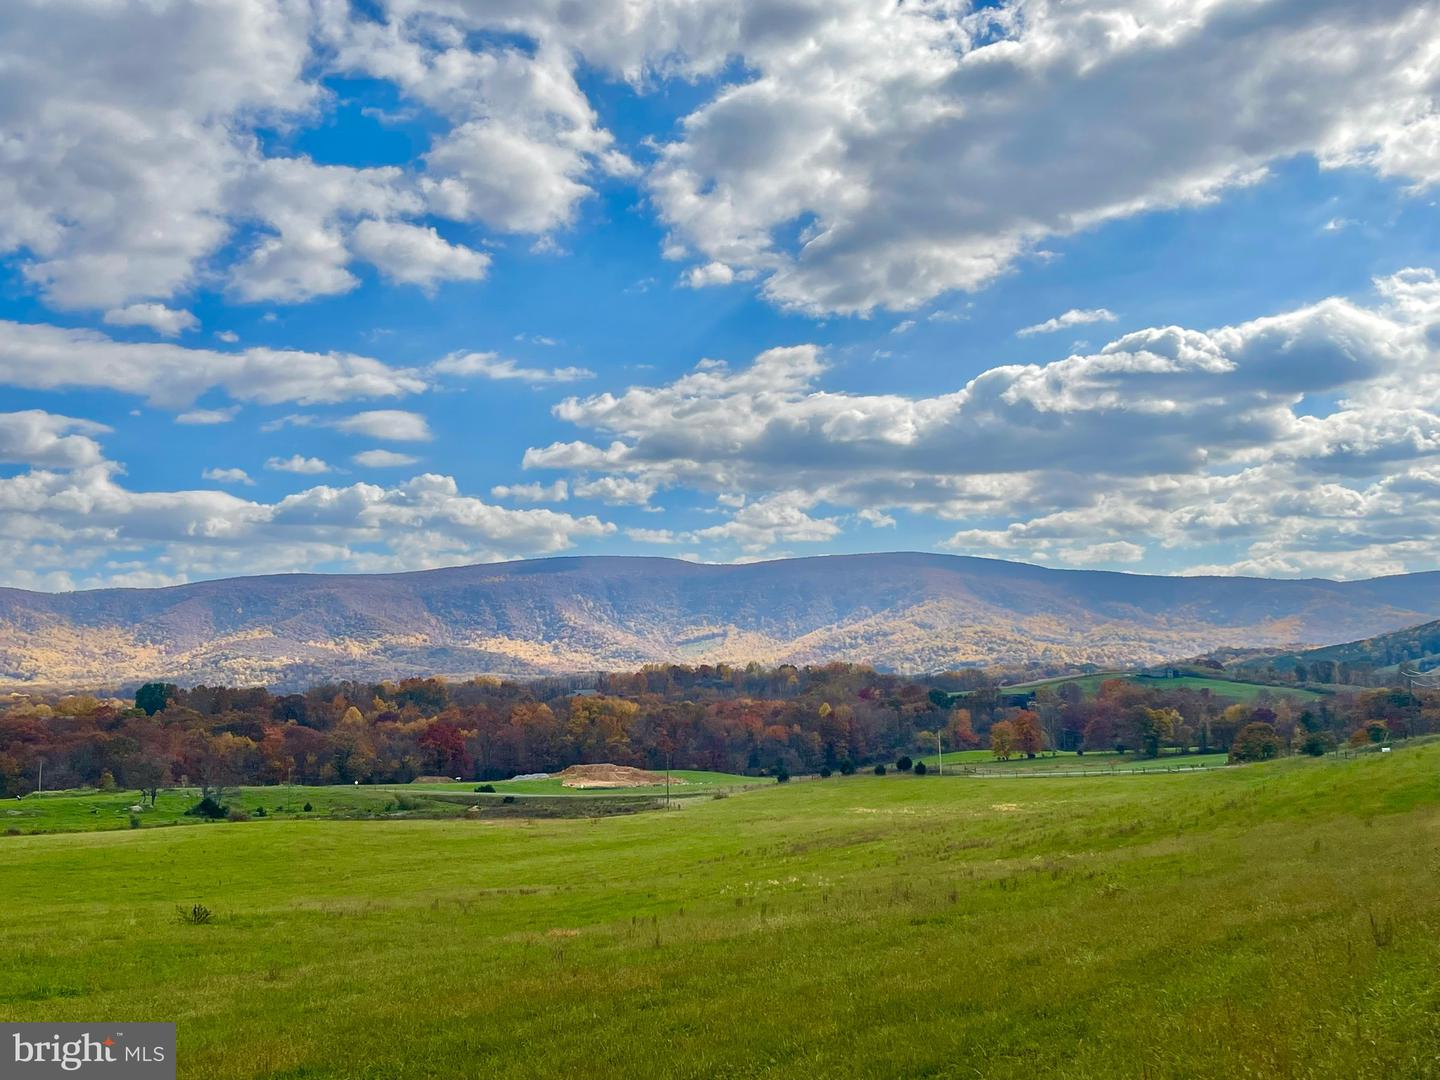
1002,740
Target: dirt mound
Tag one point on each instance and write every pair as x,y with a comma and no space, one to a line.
433,780
609,776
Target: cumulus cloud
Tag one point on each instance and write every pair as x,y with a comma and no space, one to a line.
35,437
205,417
1073,317
228,476
1188,437
163,320
712,273
616,490
392,425
414,255
854,155
905,150
489,365
780,518
383,459
559,491
63,527
297,463
41,357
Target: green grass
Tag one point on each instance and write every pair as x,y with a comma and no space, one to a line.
1277,920
683,782
1067,761
89,810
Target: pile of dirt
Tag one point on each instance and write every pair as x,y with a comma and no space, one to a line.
610,776
433,780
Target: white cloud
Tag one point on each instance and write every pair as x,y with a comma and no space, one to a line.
40,357
116,172
228,476
1073,317
1188,437
163,320
414,255
383,459
392,425
489,365
652,536
779,518
296,463
208,416
559,491
227,336
851,155
35,437
712,273
616,490
63,528
916,151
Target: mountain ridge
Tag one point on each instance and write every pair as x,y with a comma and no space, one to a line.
907,611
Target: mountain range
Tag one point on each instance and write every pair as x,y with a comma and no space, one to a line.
906,611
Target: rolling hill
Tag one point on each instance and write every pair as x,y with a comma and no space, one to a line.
1410,646
904,611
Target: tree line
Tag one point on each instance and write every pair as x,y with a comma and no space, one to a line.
729,719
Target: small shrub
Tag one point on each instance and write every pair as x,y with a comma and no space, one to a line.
879,770
236,814
207,807
107,781
307,808
12,831
847,767
486,789
904,764
782,774
260,812
825,772
920,769
134,821
195,914
508,799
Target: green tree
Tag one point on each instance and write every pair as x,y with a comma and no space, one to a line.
154,696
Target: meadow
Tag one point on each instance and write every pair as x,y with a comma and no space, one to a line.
1066,761
1271,920
88,810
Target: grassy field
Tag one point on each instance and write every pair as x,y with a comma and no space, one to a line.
683,782
1067,761
89,810
1272,920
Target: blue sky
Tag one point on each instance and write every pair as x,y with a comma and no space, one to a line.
386,286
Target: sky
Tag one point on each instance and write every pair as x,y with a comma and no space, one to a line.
381,285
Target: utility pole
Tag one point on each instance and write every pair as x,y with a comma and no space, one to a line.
40,783
939,754
668,758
